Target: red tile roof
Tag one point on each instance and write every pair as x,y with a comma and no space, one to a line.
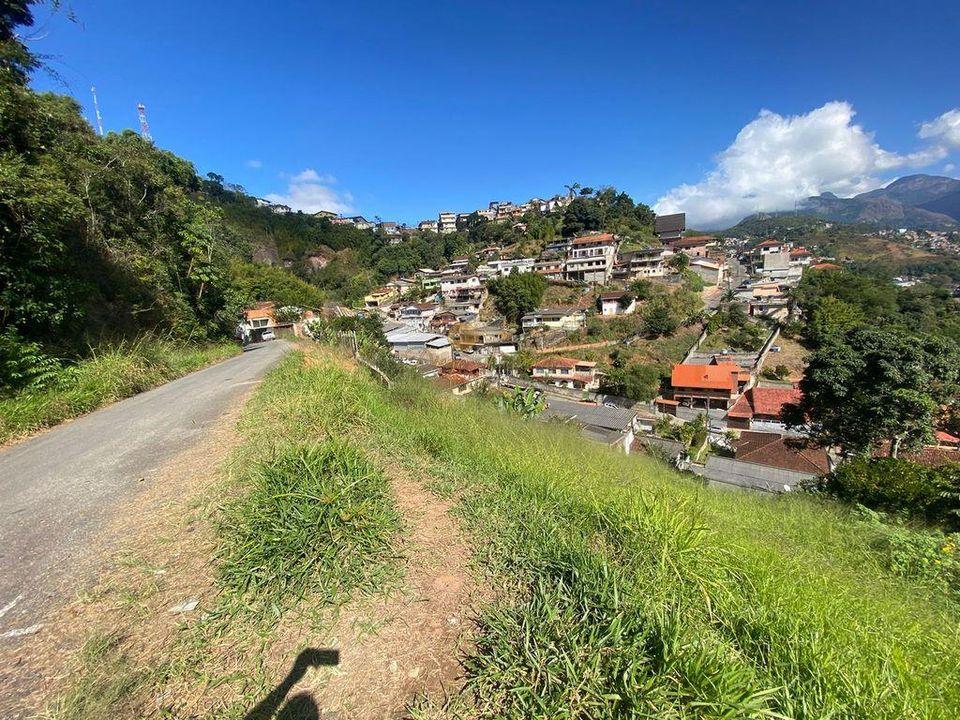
800,251
462,366
694,241
562,362
764,401
786,453
722,376
768,243
945,438
587,239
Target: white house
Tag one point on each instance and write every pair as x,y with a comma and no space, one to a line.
564,318
616,303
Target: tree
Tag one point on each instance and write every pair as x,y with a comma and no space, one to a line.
636,381
874,386
659,319
581,215
642,288
527,403
517,294
679,261
832,317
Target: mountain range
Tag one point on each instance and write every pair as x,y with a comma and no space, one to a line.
914,201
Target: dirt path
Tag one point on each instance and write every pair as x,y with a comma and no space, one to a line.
406,646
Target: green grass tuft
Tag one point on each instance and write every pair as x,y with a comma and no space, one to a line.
316,518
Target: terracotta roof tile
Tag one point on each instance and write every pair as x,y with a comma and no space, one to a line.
774,450
722,376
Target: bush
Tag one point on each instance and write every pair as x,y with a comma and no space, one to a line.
898,486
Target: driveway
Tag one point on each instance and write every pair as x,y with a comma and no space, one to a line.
58,488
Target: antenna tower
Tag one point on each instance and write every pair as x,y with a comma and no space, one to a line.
96,107
144,127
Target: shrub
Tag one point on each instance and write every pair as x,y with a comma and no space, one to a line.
896,485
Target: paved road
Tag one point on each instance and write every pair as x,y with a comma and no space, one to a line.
56,489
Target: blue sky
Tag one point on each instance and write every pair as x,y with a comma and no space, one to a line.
402,109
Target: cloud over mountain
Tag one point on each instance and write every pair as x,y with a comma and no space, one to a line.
776,160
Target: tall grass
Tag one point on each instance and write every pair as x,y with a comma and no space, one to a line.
108,375
317,518
632,591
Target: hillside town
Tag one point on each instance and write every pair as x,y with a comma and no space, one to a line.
730,392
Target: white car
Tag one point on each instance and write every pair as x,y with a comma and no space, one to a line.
268,335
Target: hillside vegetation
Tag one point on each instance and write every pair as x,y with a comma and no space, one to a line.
629,590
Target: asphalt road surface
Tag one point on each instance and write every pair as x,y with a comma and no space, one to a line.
57,488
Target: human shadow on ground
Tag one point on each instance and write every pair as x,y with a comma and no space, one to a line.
301,706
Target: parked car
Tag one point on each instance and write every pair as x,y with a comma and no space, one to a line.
268,335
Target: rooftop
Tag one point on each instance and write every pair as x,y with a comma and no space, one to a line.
590,239
589,414
773,450
670,223
764,401
562,362
721,376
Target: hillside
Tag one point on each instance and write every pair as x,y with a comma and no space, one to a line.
606,586
914,201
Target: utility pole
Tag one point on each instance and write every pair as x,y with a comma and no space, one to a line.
144,127
96,108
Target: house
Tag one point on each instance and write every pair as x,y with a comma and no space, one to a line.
404,286
712,272
567,372
380,297
551,264
418,315
642,263
616,303
323,214
361,223
452,284
472,337
563,318
256,320
670,227
502,268
461,376
443,320
761,409
425,347
389,228
590,258
716,385
800,256
695,246
616,427
429,279
427,226
787,453
447,223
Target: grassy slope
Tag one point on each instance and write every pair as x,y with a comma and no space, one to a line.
106,377
634,591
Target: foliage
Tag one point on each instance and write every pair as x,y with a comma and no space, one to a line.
779,372
288,313
109,374
636,381
930,556
253,283
525,402
898,486
664,313
877,385
643,289
628,589
517,294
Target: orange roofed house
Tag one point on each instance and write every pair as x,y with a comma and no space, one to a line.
713,386
567,373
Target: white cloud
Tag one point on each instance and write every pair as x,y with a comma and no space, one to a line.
944,130
255,164
310,191
776,160
949,167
